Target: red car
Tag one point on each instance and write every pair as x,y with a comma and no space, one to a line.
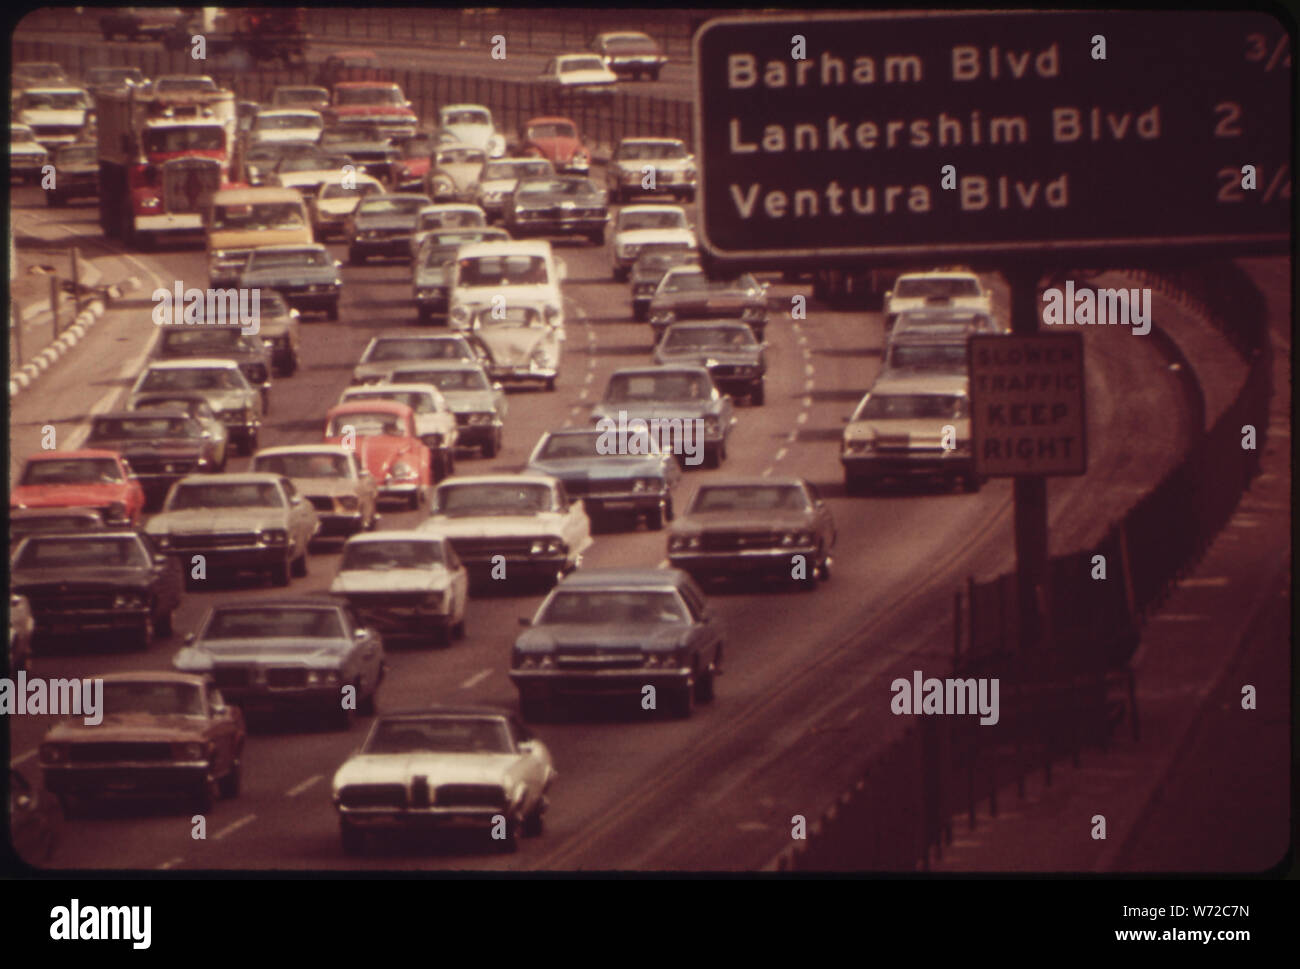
558,141
81,479
383,434
381,102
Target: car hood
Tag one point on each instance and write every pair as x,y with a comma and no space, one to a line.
476,135
611,466
130,727
707,356
470,768
339,206
604,636
391,580
512,345
80,578
469,400
904,304
325,486
201,521
364,221
378,452
659,164
270,650
926,432
647,410
463,175
586,77
561,149
216,399
254,238
532,294
641,237
60,495
164,447
307,133
494,526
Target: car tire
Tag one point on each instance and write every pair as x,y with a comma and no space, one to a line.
640,313
332,314
971,483
352,838
534,709
811,580
54,200
681,702
145,634
621,274
299,567
535,821
458,628
280,574
616,196
163,624
424,315
654,519
231,784
343,717
855,484
714,456
366,706
757,395
654,74
510,843
704,690
669,514
492,447
413,502
204,797
550,383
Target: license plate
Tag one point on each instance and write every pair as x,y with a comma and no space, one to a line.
618,505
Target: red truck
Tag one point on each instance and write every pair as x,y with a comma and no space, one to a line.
160,160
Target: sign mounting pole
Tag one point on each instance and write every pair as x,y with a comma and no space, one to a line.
1030,491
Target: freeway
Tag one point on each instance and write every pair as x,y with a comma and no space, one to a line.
805,697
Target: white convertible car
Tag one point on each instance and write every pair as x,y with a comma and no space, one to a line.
446,767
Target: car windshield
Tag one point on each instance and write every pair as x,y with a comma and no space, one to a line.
943,356
143,428
300,95
583,445
493,499
556,186
382,556
284,260
657,386
282,122
80,155
61,552
413,399
445,380
906,406
452,219
505,170
361,190
651,151
723,337
630,45
204,379
303,163
552,130
303,465
185,85
750,498
214,339
365,424
158,699
46,101
397,348
461,156
73,471
186,138
441,247
582,64
665,219
274,623
367,95
934,287
19,527
439,735
688,282
466,116
392,206
613,608
113,75
658,258
244,494
519,270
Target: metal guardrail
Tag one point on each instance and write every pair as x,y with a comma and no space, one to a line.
1070,694
603,121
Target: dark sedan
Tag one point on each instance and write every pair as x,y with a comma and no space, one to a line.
557,205
650,267
305,276
221,342
727,349
161,446
686,293
76,174
369,147
620,632
382,225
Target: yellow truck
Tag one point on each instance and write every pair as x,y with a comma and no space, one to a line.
240,220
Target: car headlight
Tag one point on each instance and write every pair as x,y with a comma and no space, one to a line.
401,471
440,601
712,425
151,203
190,751
630,251
234,414
552,315
480,418
128,600
115,511
546,546
859,446
459,316
683,543
163,541
533,661
348,502
273,536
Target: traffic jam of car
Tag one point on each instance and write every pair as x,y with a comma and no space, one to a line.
296,550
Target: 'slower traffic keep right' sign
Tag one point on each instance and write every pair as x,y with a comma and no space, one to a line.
1027,406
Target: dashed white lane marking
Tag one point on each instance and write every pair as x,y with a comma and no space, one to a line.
591,375
802,418
808,370
852,713
808,384
583,394
170,863
794,436
476,679
27,756
232,828
781,452
1212,581
767,473
299,788
663,564
807,401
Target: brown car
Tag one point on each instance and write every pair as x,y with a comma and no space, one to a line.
157,734
776,528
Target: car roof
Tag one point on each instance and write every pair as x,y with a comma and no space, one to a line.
521,247
910,382
605,578
394,535
651,208
650,139
439,207
709,324
281,112
97,535
117,415
662,368
194,363
153,676
286,602
549,119
356,84
463,107
304,449
78,453
940,273
233,477
447,711
83,511
753,481
247,196
54,89
528,477
406,387
369,406
336,178
294,246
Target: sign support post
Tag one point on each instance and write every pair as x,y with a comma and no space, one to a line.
1030,491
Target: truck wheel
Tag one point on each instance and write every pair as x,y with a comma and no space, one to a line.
299,566
654,520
